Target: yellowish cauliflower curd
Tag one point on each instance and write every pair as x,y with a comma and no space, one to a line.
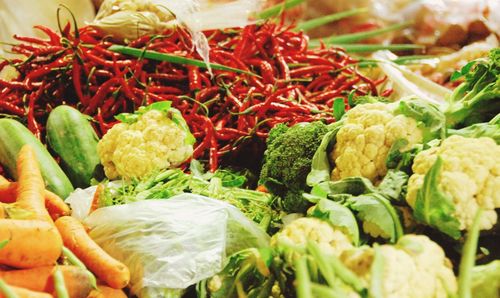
470,177
365,139
298,232
415,267
136,150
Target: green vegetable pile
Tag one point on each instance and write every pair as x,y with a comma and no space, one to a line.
390,198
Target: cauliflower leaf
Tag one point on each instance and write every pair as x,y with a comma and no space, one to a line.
379,217
337,215
433,207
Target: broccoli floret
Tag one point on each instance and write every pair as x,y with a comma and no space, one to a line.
477,99
287,161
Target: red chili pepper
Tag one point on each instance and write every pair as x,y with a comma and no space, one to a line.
77,82
310,70
99,96
165,89
111,64
55,39
168,77
13,85
194,78
11,108
34,40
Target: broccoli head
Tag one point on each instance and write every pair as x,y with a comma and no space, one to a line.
287,161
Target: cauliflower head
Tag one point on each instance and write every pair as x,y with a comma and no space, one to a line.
135,150
415,267
364,141
470,177
331,240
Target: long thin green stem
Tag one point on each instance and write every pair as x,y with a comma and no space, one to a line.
317,22
468,258
153,55
358,48
278,9
303,280
354,37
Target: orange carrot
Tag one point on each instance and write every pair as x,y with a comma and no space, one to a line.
106,292
30,188
40,279
25,293
30,243
75,238
95,199
262,188
53,203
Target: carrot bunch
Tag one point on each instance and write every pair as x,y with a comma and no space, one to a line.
36,234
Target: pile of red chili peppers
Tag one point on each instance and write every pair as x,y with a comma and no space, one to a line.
293,83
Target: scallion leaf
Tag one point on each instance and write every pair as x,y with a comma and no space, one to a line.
354,37
317,22
153,55
278,8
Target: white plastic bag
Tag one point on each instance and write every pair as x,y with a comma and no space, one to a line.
171,244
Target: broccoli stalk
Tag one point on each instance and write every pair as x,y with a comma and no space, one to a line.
477,98
287,162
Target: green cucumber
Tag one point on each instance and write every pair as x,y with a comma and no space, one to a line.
13,136
72,137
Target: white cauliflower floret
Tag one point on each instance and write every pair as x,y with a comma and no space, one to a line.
415,267
298,232
136,150
365,139
470,177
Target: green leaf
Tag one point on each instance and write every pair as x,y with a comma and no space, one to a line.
479,130
352,185
127,118
433,207
278,9
465,70
393,186
379,215
153,55
338,108
429,117
323,20
177,118
338,216
468,258
402,160
320,165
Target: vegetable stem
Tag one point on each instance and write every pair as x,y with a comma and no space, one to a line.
353,37
303,280
154,55
278,8
311,24
468,258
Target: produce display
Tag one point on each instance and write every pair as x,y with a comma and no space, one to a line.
157,151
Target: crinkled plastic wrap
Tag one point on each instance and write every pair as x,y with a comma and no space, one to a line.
171,244
130,19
